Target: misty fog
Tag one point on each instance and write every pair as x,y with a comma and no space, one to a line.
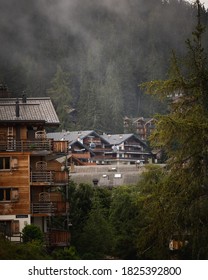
91,55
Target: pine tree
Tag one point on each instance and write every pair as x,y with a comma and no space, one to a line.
183,135
183,132
61,95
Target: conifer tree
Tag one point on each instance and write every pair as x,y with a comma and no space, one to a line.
183,134
61,95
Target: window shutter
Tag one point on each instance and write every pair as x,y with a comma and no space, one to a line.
15,226
14,194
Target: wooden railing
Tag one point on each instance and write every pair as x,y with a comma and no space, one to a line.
49,177
46,177
49,207
15,237
56,238
10,235
26,145
11,144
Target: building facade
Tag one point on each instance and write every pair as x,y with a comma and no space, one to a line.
33,182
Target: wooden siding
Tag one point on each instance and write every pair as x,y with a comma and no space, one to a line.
58,238
18,178
82,155
60,146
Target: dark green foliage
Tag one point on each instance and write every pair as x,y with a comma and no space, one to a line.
65,254
125,217
155,201
32,233
183,134
30,251
91,231
61,94
97,237
81,197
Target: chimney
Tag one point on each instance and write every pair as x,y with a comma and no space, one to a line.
24,98
17,108
4,93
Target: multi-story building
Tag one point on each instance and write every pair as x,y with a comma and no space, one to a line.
143,127
91,148
33,181
126,149
79,144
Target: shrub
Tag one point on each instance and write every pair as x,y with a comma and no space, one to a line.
31,233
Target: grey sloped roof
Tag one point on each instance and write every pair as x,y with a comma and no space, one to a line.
117,139
35,109
71,136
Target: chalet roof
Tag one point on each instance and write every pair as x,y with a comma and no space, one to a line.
117,139
32,109
72,136
62,159
143,119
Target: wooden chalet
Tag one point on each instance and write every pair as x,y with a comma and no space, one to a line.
32,182
85,146
143,127
126,149
90,148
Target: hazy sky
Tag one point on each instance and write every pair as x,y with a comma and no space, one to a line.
204,2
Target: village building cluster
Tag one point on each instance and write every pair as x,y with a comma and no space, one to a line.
35,166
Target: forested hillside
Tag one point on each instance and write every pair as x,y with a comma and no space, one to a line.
91,55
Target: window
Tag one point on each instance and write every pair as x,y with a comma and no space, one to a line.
9,227
5,194
4,163
9,194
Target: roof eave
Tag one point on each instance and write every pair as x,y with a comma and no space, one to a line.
30,121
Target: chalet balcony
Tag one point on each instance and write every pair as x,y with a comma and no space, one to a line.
35,145
81,155
102,150
48,208
42,177
48,203
58,238
49,177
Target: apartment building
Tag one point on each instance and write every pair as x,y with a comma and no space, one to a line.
33,181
